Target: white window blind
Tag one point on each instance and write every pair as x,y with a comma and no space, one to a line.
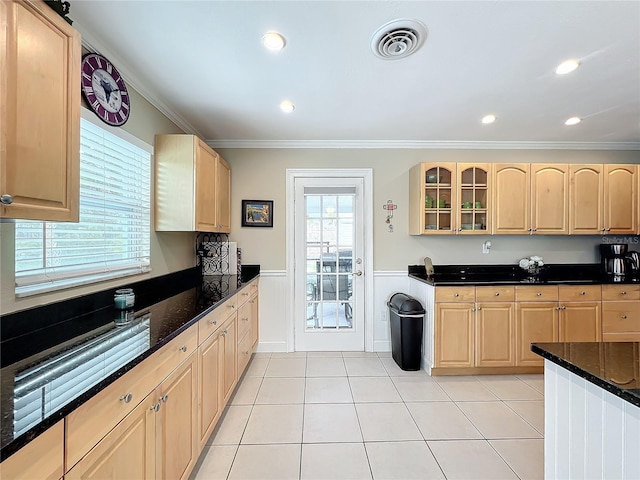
112,238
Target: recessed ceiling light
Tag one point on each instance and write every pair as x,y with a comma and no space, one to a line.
573,121
487,119
567,66
287,107
273,41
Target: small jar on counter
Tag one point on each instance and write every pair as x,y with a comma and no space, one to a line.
124,299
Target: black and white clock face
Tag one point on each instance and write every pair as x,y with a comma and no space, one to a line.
104,90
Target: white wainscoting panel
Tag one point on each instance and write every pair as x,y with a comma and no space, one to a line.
589,432
274,305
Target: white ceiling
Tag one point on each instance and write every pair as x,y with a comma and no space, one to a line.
202,63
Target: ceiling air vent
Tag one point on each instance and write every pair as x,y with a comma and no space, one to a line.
398,39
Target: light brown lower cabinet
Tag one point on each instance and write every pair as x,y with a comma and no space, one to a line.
210,393
454,335
495,328
41,459
621,313
228,347
156,440
535,322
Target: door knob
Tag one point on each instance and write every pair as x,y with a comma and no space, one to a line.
357,273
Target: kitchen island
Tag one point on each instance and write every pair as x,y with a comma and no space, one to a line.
592,409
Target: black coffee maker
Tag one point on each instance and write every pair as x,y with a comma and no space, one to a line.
613,259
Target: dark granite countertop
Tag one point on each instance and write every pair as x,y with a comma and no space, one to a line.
556,274
56,357
613,366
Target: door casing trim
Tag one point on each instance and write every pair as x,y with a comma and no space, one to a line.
367,176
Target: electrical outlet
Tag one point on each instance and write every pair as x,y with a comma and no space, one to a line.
383,316
486,247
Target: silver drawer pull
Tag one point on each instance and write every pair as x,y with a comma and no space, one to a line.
246,352
538,294
155,408
245,319
6,199
479,308
213,322
224,334
497,294
164,398
456,294
583,293
245,294
183,348
127,397
623,293
252,301
623,317
231,305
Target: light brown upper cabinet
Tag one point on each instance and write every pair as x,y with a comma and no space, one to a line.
193,186
620,199
511,198
39,113
586,200
449,198
549,199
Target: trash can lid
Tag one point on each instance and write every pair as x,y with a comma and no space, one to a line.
404,304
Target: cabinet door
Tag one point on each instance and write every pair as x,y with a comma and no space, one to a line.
454,335
176,431
229,348
40,114
438,184
620,196
209,387
205,188
495,334
128,451
535,322
586,200
550,199
474,199
580,322
223,196
511,199
42,458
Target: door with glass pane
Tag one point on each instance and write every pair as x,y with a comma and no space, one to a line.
329,267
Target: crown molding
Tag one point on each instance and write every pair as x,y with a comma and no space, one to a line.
423,144
95,46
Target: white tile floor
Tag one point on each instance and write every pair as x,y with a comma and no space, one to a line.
335,416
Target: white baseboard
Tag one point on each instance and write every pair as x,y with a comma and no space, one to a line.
381,346
271,347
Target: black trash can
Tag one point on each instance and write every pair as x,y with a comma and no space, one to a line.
406,316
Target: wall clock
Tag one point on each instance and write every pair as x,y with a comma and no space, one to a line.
104,90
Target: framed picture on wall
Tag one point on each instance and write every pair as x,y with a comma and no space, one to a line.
257,213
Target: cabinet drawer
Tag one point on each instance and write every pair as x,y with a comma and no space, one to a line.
244,319
247,292
89,423
41,458
578,293
455,294
213,320
495,294
620,292
538,293
620,317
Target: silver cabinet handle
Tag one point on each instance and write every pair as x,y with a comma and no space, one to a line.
456,294
224,334
607,229
252,301
623,293
164,398
231,305
534,229
357,273
213,322
473,309
538,294
126,398
183,348
245,294
245,319
6,199
497,294
583,293
246,352
479,308
155,408
623,317
563,307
